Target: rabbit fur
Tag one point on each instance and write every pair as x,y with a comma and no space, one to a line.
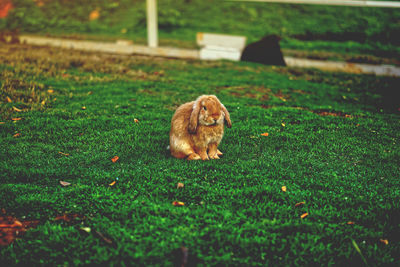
197,128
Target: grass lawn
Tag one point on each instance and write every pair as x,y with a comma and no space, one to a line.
312,28
333,142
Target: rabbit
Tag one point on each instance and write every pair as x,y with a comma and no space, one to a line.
197,128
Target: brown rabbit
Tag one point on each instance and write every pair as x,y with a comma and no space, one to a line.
197,128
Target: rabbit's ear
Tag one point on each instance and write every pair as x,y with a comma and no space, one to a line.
194,117
227,116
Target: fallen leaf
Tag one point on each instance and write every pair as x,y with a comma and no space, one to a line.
40,3
50,91
178,203
304,215
265,134
16,135
86,229
16,119
64,154
65,183
8,99
66,217
384,241
299,204
17,109
95,14
105,239
283,124
83,108
43,102
2,122
180,185
136,120
5,8
114,159
113,183
284,188
12,228
350,223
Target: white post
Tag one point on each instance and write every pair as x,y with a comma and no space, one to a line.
152,31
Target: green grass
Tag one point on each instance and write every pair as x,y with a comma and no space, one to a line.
356,30
345,168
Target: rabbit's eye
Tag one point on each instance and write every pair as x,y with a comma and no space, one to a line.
204,108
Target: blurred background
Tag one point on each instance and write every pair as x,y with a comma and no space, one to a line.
319,30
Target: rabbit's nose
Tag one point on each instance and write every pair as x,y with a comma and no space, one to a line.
215,116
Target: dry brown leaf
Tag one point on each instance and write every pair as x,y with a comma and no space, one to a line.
5,8
95,14
83,108
136,120
284,188
180,185
50,91
384,241
304,215
65,183
113,183
2,122
17,109
16,135
265,134
16,119
64,154
350,223
178,203
69,217
299,204
8,99
11,228
114,159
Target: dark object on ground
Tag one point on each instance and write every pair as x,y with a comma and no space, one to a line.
266,51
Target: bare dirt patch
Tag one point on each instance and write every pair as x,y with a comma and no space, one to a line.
61,63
